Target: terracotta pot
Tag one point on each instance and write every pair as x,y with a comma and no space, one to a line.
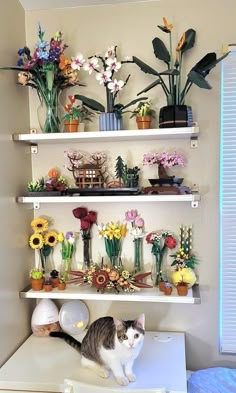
161,286
37,284
143,122
71,125
61,286
54,281
47,287
168,291
184,274
182,290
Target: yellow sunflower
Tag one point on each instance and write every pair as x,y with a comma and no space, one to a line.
39,225
50,238
36,241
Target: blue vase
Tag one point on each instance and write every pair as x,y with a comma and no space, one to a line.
109,122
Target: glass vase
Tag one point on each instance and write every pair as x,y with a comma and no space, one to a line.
65,267
116,261
50,113
86,250
137,255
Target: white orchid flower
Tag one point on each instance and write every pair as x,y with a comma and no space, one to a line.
91,65
103,77
115,85
113,64
137,232
110,52
77,62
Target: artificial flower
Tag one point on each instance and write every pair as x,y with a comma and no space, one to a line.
113,64
36,241
50,238
115,85
39,224
112,233
165,159
104,77
91,65
77,62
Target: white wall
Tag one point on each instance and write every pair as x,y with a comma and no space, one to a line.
132,27
14,172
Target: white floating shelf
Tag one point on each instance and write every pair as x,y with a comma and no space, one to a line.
107,136
194,198
84,292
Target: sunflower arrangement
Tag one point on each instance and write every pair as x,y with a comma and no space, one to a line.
114,279
42,239
113,233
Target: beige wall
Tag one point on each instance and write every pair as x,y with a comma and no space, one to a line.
14,170
132,27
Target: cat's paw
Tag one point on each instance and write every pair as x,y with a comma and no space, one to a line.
123,381
131,377
103,373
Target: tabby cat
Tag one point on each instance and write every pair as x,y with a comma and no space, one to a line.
110,344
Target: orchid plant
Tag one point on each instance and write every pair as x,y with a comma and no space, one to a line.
106,68
173,87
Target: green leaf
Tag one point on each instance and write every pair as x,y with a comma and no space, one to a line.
160,50
198,80
46,250
90,103
173,71
213,64
149,87
163,28
144,67
134,102
189,41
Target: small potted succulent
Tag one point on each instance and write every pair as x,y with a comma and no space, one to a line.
37,279
74,115
144,114
167,288
161,282
61,283
182,288
54,274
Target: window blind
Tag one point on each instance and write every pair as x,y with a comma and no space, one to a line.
227,205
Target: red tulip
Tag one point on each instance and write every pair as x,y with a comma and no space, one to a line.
170,242
92,216
148,237
85,223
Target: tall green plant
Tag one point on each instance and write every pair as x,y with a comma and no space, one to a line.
171,80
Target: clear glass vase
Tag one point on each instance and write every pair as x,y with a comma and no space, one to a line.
65,268
50,113
137,255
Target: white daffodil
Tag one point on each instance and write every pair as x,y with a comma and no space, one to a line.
110,52
113,64
101,230
91,65
77,62
115,85
103,77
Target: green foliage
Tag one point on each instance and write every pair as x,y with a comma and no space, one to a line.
36,186
171,80
36,274
143,109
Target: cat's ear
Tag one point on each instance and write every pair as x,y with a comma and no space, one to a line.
140,321
118,323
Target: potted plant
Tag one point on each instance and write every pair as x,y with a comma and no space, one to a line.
47,286
144,114
182,287
74,115
176,113
36,277
54,274
167,289
105,67
164,160
61,283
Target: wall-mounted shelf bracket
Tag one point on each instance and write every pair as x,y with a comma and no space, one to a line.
194,142
34,149
194,204
36,205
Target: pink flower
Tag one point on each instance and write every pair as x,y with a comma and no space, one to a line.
80,212
139,222
130,215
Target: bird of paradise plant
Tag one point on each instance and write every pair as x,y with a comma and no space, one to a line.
174,88
113,233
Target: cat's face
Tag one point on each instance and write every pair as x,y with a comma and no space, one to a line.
130,333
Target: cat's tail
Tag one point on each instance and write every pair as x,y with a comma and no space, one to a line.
68,339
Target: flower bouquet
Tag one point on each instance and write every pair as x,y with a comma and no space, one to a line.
113,234
105,278
160,240
49,71
42,240
87,219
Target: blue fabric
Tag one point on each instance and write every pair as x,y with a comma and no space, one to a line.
213,380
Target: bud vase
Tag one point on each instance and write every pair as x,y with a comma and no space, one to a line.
86,251
66,267
49,113
137,256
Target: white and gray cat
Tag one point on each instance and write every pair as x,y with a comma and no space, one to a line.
110,344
